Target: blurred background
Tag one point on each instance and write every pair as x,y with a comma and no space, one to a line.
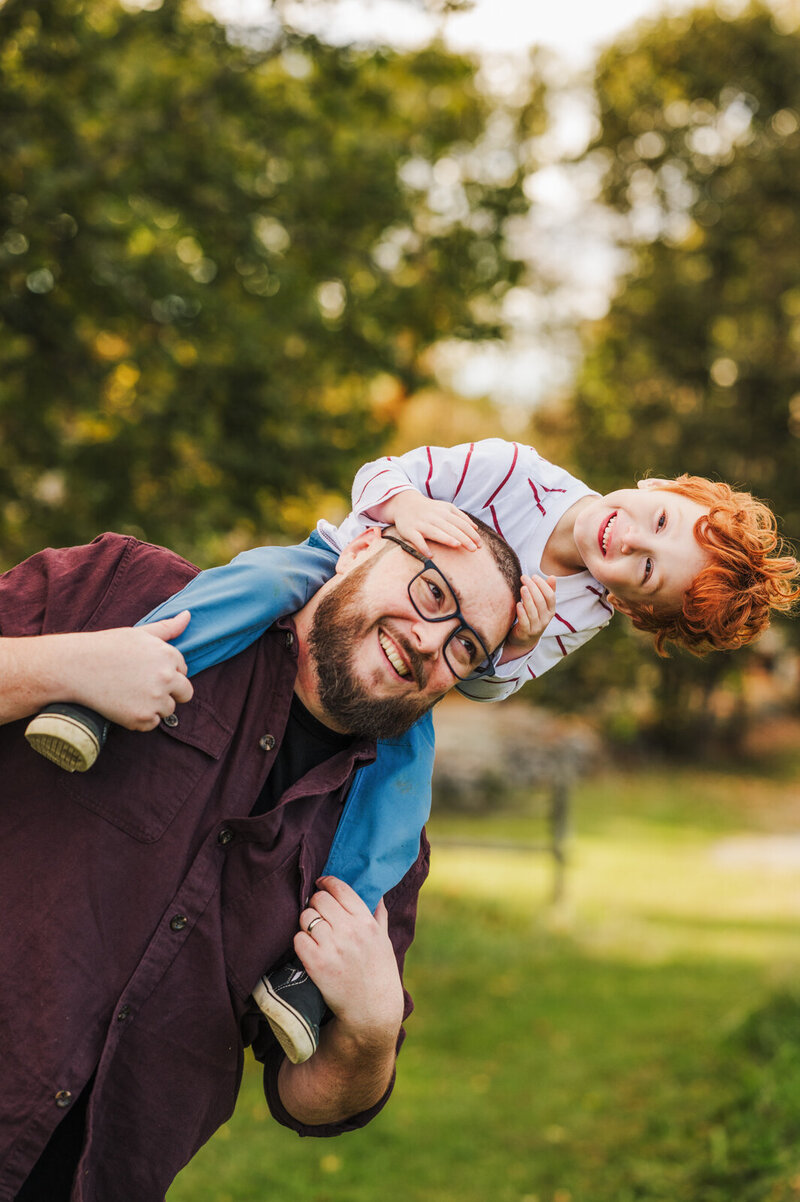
246,247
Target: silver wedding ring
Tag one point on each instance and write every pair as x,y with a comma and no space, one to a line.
313,923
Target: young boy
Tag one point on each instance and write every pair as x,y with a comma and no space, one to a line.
688,560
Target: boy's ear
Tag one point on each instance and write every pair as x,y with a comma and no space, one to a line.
653,482
358,549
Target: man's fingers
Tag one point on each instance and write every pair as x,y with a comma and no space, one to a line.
183,689
382,916
341,892
169,628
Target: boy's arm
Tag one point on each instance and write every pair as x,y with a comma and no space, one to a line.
419,492
232,605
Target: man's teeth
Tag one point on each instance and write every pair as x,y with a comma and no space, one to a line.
607,530
392,656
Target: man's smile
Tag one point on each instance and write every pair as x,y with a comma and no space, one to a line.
394,655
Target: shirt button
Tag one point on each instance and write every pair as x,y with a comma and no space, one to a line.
224,836
171,720
124,1012
178,922
266,742
63,1098
289,638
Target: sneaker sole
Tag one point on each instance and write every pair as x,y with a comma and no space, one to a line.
63,741
289,1028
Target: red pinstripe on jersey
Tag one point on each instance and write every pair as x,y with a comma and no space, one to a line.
544,488
464,473
505,480
568,625
601,597
493,512
430,472
382,472
561,645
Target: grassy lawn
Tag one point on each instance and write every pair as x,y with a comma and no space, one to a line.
639,1044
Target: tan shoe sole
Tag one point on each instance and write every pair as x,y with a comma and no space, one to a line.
288,1027
63,741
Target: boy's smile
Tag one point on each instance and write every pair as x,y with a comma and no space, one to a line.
640,543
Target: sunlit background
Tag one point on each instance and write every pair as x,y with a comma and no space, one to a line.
245,248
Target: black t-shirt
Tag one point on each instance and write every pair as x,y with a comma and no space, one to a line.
306,744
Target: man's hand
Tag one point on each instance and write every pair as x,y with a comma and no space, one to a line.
534,613
131,675
134,677
418,518
350,958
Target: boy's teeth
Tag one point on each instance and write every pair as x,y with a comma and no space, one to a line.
607,530
392,656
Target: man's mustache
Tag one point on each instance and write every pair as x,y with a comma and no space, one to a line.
415,659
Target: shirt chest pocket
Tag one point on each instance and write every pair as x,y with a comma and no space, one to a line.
141,780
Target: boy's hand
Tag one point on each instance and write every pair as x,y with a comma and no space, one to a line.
534,613
418,518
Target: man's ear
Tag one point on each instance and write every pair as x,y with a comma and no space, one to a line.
653,482
364,545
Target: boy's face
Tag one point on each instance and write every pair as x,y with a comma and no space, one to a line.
640,543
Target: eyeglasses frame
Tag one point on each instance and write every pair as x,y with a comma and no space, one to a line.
427,566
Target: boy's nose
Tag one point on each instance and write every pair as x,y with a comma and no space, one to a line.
631,540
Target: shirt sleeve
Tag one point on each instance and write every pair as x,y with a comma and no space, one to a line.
401,902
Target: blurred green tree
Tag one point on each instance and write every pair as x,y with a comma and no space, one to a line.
696,367
221,265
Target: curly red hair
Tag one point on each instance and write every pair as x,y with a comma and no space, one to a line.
750,572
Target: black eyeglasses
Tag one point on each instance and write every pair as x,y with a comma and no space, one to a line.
433,598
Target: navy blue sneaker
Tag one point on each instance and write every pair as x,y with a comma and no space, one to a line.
294,1008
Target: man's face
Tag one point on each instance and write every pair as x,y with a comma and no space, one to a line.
379,665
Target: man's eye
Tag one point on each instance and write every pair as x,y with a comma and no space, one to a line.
466,648
436,594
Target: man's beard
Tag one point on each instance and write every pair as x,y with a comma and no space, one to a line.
335,633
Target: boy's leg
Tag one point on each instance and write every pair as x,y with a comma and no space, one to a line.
376,842
231,607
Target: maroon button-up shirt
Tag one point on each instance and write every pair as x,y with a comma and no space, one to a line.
139,902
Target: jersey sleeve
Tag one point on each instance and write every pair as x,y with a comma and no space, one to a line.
509,677
441,473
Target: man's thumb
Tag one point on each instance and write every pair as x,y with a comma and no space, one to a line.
169,628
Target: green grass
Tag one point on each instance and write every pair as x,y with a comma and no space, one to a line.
639,1044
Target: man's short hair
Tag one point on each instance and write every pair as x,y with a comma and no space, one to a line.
504,556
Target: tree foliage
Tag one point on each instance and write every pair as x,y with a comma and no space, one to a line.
221,266
696,367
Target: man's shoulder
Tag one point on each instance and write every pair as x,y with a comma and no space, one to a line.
112,581
139,575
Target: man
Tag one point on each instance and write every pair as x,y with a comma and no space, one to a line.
142,901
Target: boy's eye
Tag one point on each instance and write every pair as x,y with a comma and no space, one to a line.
648,569
662,521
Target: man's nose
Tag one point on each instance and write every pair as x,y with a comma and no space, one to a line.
429,637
